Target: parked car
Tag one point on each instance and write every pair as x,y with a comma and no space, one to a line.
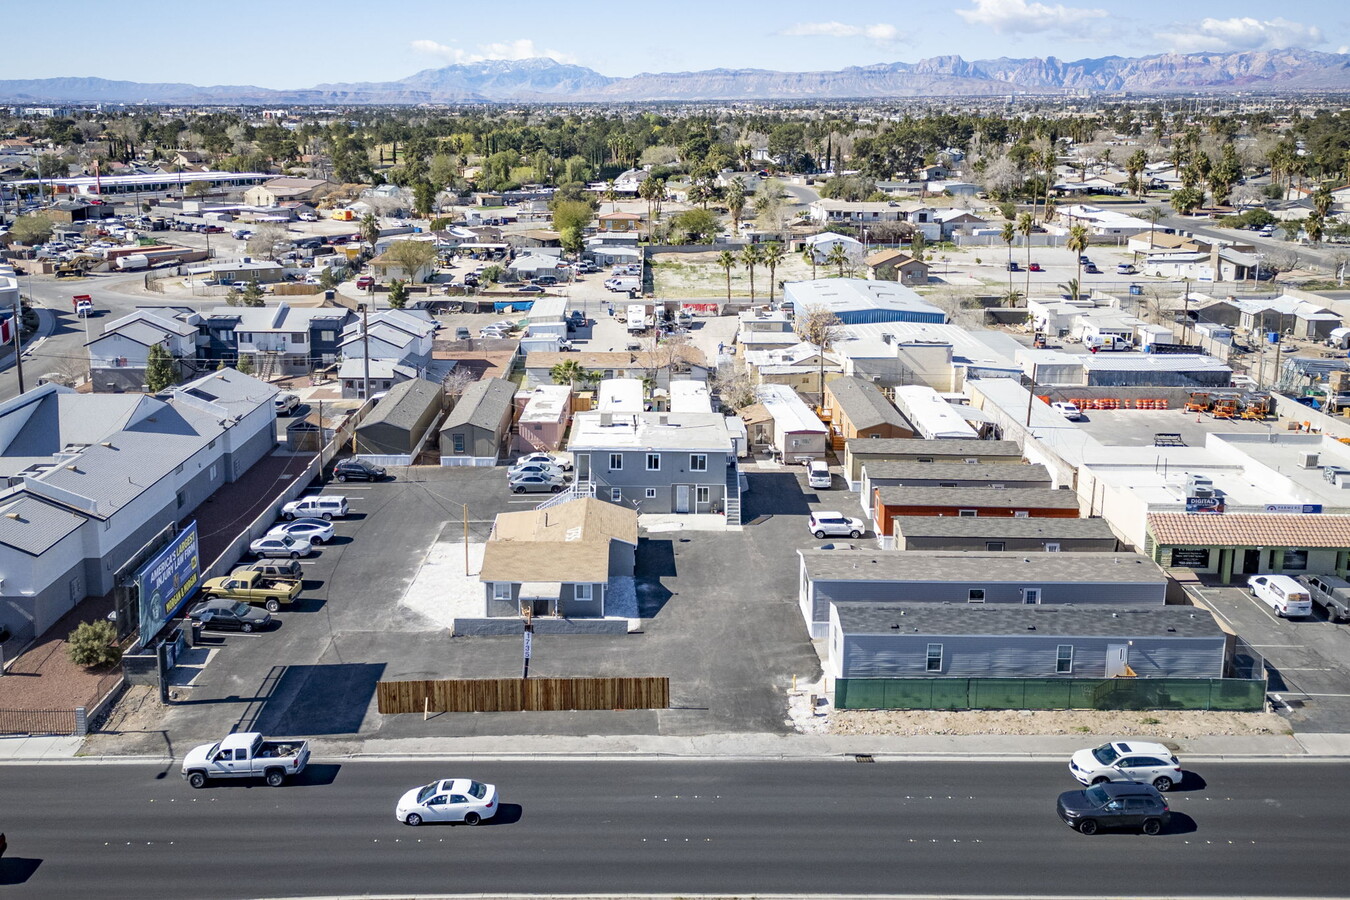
1142,761
1114,805
533,483
448,800
1330,593
818,474
224,614
273,568
532,468
1091,269
557,460
462,334
1126,269
323,506
357,470
470,280
530,289
835,523
1084,261
365,283
1034,267
316,531
252,586
286,403
1284,595
1067,409
307,217
272,545
546,279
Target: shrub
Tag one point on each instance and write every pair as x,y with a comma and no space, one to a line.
94,644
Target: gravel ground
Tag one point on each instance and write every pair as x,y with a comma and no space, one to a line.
1146,723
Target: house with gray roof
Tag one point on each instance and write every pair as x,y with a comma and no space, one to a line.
941,640
990,534
89,479
477,429
118,357
399,425
1115,580
279,339
404,337
858,450
902,473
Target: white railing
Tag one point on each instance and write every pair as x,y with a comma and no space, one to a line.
575,491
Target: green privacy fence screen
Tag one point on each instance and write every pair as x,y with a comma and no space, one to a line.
1236,694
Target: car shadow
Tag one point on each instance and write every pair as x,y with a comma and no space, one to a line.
316,775
507,814
1181,824
1190,781
17,869
337,540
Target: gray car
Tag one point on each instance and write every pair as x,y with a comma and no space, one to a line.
537,483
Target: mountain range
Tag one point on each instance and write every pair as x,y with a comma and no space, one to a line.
545,80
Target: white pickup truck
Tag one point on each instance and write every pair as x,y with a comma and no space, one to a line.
246,755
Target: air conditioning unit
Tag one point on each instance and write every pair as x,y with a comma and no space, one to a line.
1199,486
1308,459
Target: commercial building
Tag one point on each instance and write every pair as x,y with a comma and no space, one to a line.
856,300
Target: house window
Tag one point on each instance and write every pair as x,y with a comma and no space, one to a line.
615,462
698,462
934,658
297,337
975,595
182,499
653,462
968,513
703,494
1296,559
924,459
327,335
1021,514
1031,596
995,546
457,443
650,494
970,461
616,495
946,484
583,593
1064,659
501,590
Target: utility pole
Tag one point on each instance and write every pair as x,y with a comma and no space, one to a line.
365,341
16,324
1031,393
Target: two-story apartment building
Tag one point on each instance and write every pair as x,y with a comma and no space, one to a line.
118,357
276,339
401,336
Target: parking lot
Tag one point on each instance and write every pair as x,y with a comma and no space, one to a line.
1306,658
730,643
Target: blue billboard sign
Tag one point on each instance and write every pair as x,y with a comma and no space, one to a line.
1205,505
167,581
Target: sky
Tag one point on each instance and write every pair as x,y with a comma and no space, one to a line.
345,41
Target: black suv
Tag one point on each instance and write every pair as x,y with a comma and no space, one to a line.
1114,804
357,470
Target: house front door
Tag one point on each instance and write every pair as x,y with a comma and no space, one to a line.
1117,659
682,498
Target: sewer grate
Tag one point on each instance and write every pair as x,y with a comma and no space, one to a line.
863,757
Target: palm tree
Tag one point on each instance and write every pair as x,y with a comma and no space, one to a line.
837,256
370,230
1077,242
751,257
727,260
809,256
1048,160
1154,214
1026,223
735,199
568,372
1070,288
1314,225
612,195
1008,234
773,255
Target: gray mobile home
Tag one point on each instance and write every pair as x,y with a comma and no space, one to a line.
476,431
395,429
857,450
905,473
1116,580
990,534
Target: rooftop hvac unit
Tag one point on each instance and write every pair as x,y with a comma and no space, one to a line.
1199,486
1308,459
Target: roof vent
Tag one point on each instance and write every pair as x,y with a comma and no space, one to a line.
107,444
15,517
896,626
1031,628
1115,615
1170,628
72,467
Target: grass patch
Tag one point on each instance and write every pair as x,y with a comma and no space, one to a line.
1149,720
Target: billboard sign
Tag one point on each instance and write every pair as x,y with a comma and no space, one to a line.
1206,505
1302,509
167,581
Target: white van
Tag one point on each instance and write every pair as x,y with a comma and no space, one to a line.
1283,594
818,474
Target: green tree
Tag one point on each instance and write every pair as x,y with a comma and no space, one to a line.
245,365
1185,200
1070,288
492,274
94,644
233,297
252,294
735,200
1154,215
773,254
412,256
573,215
727,260
398,293
160,371
197,189
370,230
809,256
327,280
424,198
1007,234
31,230
1078,243
570,372
1134,167
1026,224
697,225
749,258
837,256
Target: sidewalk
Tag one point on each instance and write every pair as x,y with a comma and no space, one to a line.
748,746
46,325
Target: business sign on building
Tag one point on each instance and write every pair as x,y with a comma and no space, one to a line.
1207,505
1303,509
167,581
1190,558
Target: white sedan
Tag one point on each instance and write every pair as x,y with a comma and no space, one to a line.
280,546
316,531
1143,761
557,460
449,800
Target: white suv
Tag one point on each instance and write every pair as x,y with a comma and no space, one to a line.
1142,761
836,523
818,474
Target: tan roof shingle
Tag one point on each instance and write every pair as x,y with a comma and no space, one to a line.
1250,530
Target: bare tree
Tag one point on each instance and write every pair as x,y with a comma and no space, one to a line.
268,242
817,324
733,385
412,256
457,381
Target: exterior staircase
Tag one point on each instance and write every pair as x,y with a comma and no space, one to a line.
732,507
575,491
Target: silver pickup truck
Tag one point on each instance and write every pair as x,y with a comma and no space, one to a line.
1330,593
246,755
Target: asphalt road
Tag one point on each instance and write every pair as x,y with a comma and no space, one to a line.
839,828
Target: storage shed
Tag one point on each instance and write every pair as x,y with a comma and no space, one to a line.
940,640
477,429
398,426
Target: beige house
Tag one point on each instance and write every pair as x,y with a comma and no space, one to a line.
620,222
278,190
384,269
895,265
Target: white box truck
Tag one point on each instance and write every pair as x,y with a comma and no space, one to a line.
134,261
637,319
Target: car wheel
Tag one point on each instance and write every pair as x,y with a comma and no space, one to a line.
413,819
1100,779
1162,783
819,534
328,517
1088,826
855,533
472,818
555,489
1152,826
342,477
275,777
272,604
295,554
246,628
519,490
288,516
197,779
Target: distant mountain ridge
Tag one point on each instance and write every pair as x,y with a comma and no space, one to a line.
545,80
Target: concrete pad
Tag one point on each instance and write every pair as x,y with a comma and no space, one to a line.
443,590
655,523
1324,744
27,748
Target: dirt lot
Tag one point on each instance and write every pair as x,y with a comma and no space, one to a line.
1148,723
698,276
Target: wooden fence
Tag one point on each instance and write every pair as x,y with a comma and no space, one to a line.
515,694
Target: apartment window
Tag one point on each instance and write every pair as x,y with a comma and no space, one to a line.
975,595
245,336
650,493
703,494
457,441
934,658
583,593
653,462
212,473
698,462
615,462
1064,659
1052,548
297,337
1031,596
328,335
616,495
995,546
968,513
182,499
501,590
1021,514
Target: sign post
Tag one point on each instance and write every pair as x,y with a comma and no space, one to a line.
529,646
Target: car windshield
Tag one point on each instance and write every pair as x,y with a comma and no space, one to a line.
1106,754
1097,795
477,790
240,609
425,793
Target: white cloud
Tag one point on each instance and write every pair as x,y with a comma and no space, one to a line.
878,32
522,48
1243,33
1021,17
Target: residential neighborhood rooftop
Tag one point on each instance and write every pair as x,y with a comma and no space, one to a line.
1010,619
978,567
